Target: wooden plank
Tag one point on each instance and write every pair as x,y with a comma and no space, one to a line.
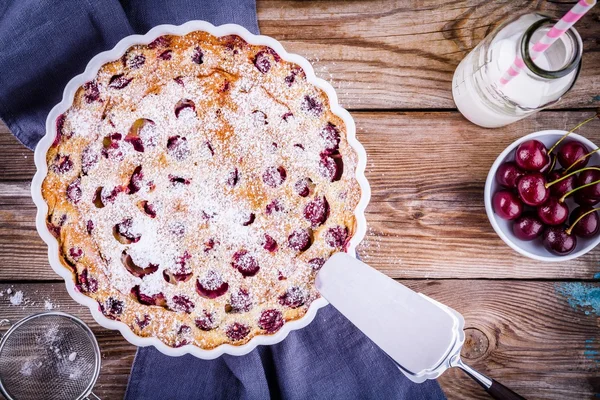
521,333
426,217
402,54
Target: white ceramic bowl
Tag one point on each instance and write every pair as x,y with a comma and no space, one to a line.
503,228
42,169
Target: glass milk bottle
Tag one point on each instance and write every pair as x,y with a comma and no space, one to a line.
476,86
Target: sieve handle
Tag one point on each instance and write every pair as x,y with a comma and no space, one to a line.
92,396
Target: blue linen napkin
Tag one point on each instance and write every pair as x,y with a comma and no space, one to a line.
43,43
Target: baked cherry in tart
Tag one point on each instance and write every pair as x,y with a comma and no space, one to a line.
196,185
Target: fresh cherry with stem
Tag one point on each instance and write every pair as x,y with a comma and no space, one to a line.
533,189
532,156
558,241
584,222
553,212
571,131
572,154
562,187
591,193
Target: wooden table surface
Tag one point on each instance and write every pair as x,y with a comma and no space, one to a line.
533,326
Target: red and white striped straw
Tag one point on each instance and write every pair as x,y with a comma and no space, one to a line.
563,25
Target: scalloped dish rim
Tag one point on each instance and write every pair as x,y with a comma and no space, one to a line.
42,169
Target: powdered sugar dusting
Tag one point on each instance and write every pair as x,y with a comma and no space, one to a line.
192,154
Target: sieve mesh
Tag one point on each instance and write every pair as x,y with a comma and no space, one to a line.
48,356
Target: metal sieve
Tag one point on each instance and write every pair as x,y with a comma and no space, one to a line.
51,355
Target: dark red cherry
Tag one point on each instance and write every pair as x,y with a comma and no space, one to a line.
507,205
135,182
89,159
274,176
161,41
112,148
273,207
532,189
237,331
166,55
331,136
588,226
586,177
245,263
148,209
75,253
183,104
125,233
86,283
532,155
112,308
581,199
143,322
157,299
134,269
303,187
74,192
337,236
316,263
570,152
182,303
317,211
528,227
561,188
134,61
119,81
136,142
270,320
206,321
239,302
105,196
331,168
261,61
177,147
293,297
300,240
311,105
211,285
198,56
557,241
92,93
62,164
178,180
89,227
553,212
247,218
508,174
269,244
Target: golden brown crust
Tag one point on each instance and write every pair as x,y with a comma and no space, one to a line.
171,167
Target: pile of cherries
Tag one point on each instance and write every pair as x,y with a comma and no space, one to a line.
534,193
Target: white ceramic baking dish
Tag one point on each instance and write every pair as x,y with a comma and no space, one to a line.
42,169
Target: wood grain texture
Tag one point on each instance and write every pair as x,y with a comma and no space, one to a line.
401,54
426,217
533,341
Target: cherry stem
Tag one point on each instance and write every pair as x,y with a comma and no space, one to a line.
572,130
553,162
562,178
568,231
562,199
582,158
